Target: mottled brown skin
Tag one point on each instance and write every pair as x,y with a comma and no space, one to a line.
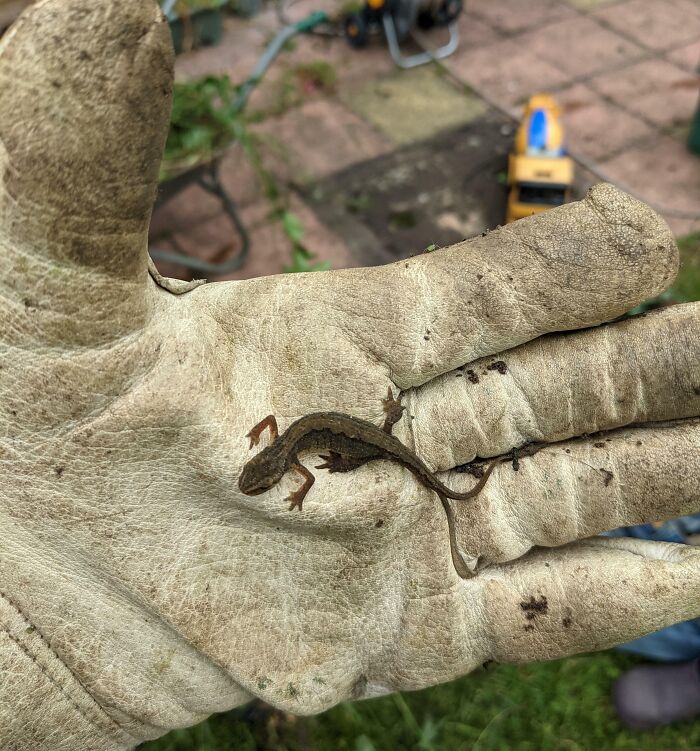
351,442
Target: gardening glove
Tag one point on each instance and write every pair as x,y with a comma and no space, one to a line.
142,591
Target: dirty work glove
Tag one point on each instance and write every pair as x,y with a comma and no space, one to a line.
141,591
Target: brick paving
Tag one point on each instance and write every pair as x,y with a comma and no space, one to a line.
624,72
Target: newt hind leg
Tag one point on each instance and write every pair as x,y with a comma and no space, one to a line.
335,462
393,409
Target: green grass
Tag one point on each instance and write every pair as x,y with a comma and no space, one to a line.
556,706
687,285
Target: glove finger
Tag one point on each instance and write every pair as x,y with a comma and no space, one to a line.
569,268
643,369
588,596
84,113
581,488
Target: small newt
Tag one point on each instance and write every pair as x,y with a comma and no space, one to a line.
351,442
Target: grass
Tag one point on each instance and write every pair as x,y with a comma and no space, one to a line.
555,706
687,285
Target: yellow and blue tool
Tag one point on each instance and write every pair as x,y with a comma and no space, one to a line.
540,174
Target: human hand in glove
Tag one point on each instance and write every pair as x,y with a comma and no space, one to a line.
141,590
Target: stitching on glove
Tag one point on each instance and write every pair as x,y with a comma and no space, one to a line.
112,726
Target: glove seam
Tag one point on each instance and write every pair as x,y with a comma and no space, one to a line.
113,727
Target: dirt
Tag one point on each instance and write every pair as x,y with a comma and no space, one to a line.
472,376
534,607
499,366
607,476
424,195
432,193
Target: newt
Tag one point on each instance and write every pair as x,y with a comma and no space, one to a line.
351,442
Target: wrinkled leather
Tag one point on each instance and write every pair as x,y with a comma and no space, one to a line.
140,591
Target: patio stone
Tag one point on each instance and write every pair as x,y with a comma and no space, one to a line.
271,249
511,16
657,25
687,57
596,128
580,46
191,206
587,5
474,32
507,71
655,89
194,205
240,47
317,138
413,105
662,172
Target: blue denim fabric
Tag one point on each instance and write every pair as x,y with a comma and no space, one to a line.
682,641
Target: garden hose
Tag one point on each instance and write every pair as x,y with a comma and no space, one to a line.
273,49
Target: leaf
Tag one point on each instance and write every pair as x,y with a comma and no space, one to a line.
293,226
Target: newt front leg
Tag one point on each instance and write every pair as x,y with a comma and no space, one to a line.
296,498
256,431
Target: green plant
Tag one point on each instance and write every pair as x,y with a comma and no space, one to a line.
183,7
302,257
554,706
205,119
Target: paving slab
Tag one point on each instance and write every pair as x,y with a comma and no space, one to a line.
437,191
193,204
661,171
686,57
241,45
280,89
659,91
413,105
474,31
658,25
597,128
581,46
318,138
588,5
511,16
270,248
506,71
190,206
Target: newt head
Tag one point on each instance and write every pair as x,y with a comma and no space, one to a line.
263,471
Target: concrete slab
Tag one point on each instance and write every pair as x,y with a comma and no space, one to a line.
686,57
653,24
318,138
432,192
270,249
511,16
507,71
655,89
412,105
241,45
588,5
662,172
597,128
581,46
475,32
194,205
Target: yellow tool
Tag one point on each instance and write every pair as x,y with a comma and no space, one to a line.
540,174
